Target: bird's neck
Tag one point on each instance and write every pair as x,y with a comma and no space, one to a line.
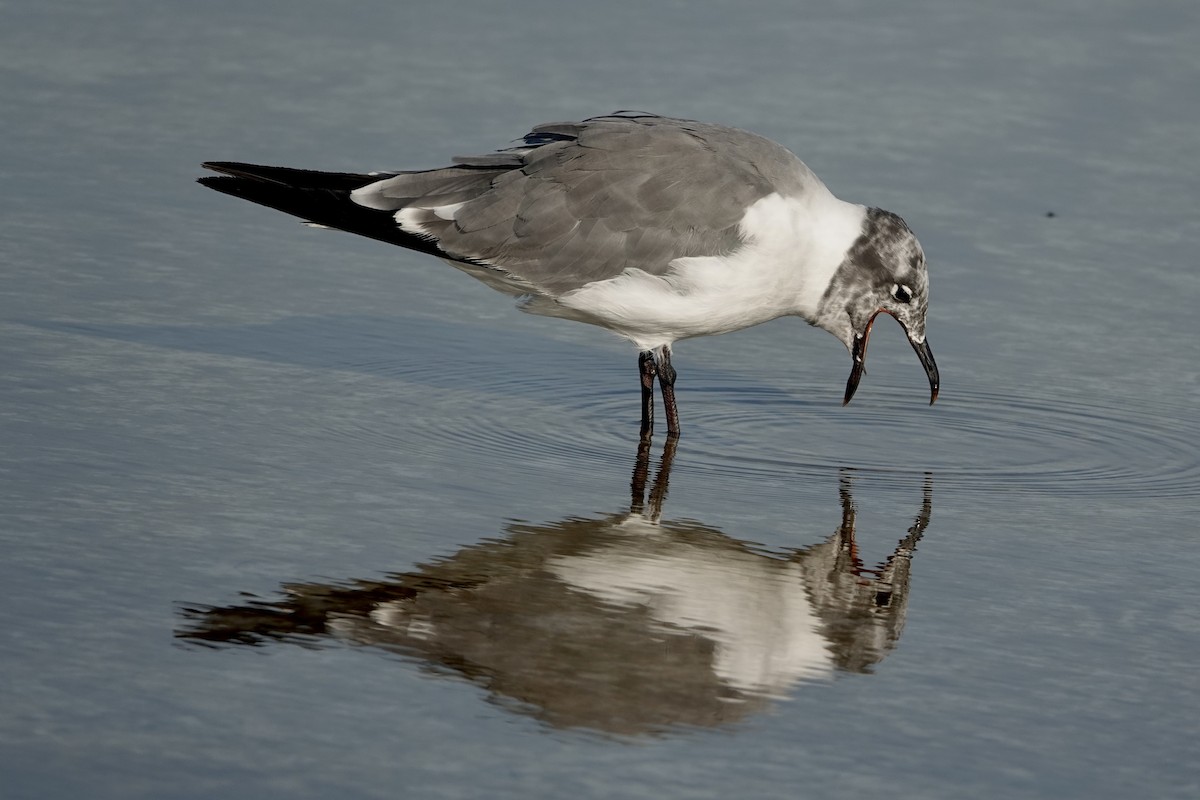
799,243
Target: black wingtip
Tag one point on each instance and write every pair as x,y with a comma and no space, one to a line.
318,197
239,170
305,179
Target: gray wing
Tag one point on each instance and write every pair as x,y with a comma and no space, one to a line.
579,202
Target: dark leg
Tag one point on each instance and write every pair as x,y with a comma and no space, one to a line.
648,370
666,381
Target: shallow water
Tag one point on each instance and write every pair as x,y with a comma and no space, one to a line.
292,514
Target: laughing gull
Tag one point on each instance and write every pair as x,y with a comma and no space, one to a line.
657,229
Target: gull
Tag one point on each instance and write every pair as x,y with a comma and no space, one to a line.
655,228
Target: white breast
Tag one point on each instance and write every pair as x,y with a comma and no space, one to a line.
793,247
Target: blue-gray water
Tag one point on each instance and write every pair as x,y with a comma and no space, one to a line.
287,513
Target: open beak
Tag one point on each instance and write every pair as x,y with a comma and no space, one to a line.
858,351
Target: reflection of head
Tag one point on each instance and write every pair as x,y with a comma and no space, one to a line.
862,611
622,624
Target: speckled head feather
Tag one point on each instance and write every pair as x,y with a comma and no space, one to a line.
883,271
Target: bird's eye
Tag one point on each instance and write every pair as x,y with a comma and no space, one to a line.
902,293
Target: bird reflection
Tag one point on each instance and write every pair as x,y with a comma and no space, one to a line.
625,624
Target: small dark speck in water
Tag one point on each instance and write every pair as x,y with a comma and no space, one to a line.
1050,215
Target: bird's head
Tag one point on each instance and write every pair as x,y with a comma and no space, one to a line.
883,271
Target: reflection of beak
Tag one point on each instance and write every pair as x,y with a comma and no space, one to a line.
858,352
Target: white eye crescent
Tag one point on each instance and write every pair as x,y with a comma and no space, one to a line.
902,293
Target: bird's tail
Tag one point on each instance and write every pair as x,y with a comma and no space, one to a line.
322,198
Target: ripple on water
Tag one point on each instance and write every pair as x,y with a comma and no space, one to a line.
522,417
974,439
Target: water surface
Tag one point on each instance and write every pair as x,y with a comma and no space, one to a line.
291,514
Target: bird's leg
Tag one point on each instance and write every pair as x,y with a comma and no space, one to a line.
666,381
648,370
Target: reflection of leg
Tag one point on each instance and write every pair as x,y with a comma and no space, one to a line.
666,381
846,541
647,369
659,491
641,473
638,499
